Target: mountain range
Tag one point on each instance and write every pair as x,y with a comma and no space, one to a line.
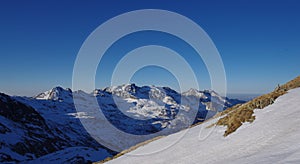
50,128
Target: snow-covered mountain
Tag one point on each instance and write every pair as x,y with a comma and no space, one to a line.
38,129
57,93
31,128
263,130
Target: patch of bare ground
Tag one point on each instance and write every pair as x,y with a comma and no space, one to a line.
235,116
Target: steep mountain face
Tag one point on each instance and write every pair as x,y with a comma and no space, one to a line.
31,128
24,131
27,134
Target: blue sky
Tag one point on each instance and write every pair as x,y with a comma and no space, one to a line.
258,41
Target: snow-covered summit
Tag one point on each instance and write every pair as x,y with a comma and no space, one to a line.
57,93
193,92
122,90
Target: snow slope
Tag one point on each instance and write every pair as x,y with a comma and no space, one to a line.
272,138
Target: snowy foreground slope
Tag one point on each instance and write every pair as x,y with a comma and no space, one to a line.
273,137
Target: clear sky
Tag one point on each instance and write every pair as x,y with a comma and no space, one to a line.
259,41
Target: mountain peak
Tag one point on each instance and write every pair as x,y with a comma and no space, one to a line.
193,92
56,93
3,97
